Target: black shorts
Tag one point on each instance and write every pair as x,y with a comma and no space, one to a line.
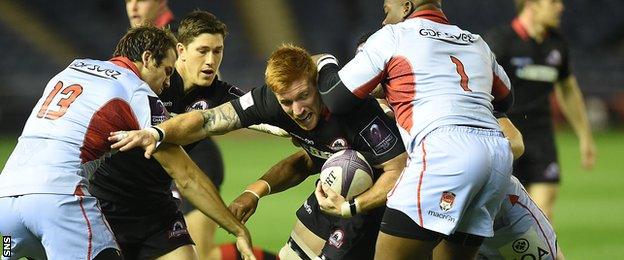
539,162
146,236
207,156
347,238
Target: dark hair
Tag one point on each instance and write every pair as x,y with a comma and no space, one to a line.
145,38
199,22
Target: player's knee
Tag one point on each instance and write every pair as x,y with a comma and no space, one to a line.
109,254
465,239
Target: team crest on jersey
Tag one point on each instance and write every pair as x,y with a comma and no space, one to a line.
339,144
178,229
337,238
157,109
378,136
554,58
446,200
198,105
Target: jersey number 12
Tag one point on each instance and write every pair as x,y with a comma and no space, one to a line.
73,91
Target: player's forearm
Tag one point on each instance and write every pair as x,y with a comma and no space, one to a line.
513,135
269,129
376,195
195,186
184,128
570,99
289,172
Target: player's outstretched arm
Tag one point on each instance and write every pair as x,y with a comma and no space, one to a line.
333,203
287,173
570,100
195,186
183,129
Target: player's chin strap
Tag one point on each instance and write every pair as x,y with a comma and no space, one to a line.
349,208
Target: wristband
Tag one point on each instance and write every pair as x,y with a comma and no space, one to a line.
349,208
267,184
161,133
353,207
252,192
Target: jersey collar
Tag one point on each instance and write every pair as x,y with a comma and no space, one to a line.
165,18
433,15
124,62
520,30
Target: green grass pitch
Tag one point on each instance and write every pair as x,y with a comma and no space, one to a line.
588,216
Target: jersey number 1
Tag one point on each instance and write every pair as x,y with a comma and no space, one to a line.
459,66
73,91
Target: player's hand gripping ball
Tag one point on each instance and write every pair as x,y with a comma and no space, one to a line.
347,173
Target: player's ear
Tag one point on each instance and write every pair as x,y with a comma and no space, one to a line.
146,56
408,8
181,51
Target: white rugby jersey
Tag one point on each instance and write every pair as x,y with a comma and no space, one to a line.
66,133
433,74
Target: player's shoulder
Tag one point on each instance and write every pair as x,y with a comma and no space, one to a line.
227,88
105,77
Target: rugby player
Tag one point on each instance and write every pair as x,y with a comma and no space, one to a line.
443,84
535,54
47,207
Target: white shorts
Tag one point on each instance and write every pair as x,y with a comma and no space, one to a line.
454,180
521,230
54,225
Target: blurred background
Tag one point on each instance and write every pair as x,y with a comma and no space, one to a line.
41,37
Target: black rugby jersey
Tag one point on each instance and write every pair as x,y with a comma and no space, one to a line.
533,69
368,130
129,178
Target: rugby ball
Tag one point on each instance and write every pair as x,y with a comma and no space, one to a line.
347,173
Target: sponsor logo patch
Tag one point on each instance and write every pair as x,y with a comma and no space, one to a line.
442,216
339,144
378,136
178,229
446,200
198,105
158,111
336,238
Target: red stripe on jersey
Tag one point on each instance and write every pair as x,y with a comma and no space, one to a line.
115,115
422,173
124,62
401,90
363,91
89,232
165,18
499,89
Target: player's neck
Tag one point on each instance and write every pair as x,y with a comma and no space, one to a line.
534,29
188,84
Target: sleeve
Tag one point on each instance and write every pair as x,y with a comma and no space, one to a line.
342,89
258,106
501,87
232,92
141,104
377,134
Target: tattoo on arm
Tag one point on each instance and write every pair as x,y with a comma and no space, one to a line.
220,120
